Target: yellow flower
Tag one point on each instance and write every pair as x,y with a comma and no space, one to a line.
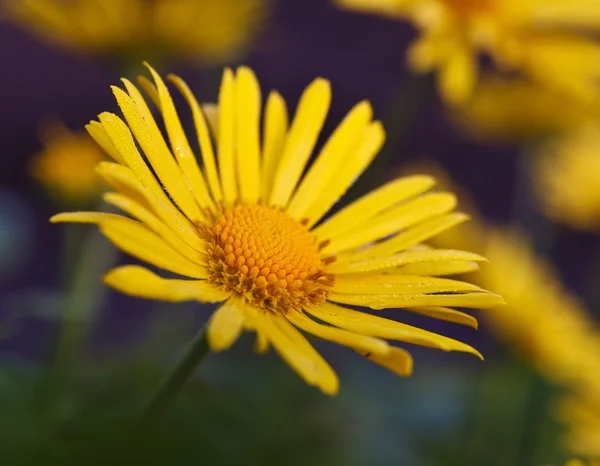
213,30
583,417
550,328
574,462
249,230
515,109
66,164
567,176
546,40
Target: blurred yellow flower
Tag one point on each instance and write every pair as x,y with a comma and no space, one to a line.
248,228
549,327
509,109
65,166
575,462
546,40
567,177
582,414
212,30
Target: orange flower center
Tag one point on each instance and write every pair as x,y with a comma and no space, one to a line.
267,257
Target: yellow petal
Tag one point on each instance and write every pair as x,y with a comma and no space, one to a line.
403,259
142,283
145,216
150,89
368,324
226,137
179,142
436,268
96,131
447,314
458,76
83,217
304,131
118,176
406,239
248,102
225,325
204,139
399,218
137,240
332,156
262,344
211,113
370,205
369,145
397,284
398,361
293,347
156,150
275,130
339,336
123,141
386,301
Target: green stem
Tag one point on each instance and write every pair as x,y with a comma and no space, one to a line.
87,258
174,382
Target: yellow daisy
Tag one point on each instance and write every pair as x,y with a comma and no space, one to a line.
567,178
249,230
582,415
510,109
547,40
215,30
65,165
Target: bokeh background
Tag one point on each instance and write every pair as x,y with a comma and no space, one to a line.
522,406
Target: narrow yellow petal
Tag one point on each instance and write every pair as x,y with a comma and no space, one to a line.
96,131
399,218
397,284
293,347
304,131
150,89
406,239
371,141
403,259
275,130
122,139
458,76
204,139
436,268
398,361
447,314
368,324
137,240
119,176
156,150
262,344
211,113
180,145
370,205
387,301
226,325
145,216
331,158
226,137
336,335
142,283
83,217
248,102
